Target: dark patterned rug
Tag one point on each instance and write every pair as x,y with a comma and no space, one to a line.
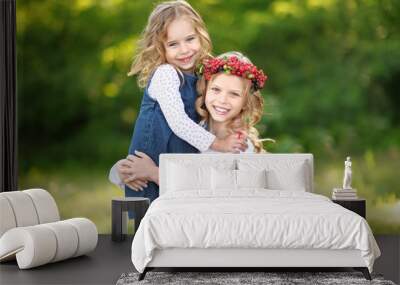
230,278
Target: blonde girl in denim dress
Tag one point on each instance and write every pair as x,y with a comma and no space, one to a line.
174,41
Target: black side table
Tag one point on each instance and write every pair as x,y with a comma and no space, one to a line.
357,205
120,205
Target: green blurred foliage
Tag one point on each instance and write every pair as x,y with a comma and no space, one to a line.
333,88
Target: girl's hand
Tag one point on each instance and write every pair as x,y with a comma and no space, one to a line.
125,170
137,184
234,143
142,167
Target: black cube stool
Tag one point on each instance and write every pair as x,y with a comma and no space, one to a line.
119,206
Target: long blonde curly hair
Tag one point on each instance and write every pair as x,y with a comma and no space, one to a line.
250,114
151,52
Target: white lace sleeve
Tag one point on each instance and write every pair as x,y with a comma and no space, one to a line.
114,177
164,88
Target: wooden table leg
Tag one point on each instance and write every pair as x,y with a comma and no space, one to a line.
116,227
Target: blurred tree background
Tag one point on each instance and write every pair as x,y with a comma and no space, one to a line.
333,90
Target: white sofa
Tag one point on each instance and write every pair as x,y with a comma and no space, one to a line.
31,231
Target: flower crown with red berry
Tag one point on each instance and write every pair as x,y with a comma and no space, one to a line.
233,65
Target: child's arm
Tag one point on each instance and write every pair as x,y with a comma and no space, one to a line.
114,178
164,88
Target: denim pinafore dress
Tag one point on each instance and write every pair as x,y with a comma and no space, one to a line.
153,136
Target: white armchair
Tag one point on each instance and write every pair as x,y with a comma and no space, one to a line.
31,230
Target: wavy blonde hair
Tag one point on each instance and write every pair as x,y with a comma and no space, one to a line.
151,52
250,114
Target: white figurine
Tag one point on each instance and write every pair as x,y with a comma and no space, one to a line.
347,174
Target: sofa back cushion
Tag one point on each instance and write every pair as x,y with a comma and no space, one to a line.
26,208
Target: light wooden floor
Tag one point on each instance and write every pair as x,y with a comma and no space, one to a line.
110,260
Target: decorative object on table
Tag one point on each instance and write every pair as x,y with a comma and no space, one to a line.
357,205
120,205
243,278
347,192
347,174
344,194
31,231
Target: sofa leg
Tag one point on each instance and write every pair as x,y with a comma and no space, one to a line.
364,271
143,274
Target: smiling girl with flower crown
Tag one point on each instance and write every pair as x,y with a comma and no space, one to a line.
229,103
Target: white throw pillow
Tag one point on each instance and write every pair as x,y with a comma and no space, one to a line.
223,179
251,178
282,174
292,179
182,177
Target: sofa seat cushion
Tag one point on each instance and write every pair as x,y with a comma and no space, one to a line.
40,244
